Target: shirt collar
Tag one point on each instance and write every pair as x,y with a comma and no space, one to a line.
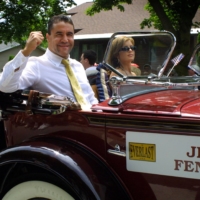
55,59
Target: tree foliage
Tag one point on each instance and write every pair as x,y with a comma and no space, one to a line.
19,17
175,16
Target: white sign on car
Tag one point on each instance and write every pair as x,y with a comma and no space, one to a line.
163,154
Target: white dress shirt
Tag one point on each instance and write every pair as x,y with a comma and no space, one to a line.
91,68
46,74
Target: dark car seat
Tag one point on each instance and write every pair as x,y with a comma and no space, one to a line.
92,75
102,83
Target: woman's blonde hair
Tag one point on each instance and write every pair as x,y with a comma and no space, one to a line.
116,45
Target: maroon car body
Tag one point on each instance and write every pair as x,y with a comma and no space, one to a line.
142,143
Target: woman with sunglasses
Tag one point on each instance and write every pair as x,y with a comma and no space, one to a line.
121,55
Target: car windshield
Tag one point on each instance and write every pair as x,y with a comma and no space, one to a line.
153,50
153,56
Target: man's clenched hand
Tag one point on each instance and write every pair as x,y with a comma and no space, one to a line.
35,39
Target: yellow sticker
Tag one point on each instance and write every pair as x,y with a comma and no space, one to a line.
142,151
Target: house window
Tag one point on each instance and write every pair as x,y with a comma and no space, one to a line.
99,46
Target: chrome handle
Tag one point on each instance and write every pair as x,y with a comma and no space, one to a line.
117,151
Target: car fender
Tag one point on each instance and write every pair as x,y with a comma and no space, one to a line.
68,160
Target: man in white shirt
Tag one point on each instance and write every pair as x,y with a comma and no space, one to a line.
88,59
46,73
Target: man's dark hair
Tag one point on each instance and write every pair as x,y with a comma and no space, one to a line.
58,18
90,55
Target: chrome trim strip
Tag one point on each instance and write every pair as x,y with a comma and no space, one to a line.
118,153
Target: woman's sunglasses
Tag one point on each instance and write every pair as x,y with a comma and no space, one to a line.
133,48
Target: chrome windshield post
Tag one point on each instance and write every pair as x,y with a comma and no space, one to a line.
115,83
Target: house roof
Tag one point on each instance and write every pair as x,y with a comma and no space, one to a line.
109,21
4,47
113,20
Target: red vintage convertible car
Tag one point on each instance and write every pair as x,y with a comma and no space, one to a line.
141,142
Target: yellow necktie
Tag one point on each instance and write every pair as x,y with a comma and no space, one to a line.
78,93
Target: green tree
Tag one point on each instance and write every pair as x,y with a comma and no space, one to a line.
19,17
175,16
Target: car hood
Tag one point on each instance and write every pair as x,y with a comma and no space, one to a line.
167,102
